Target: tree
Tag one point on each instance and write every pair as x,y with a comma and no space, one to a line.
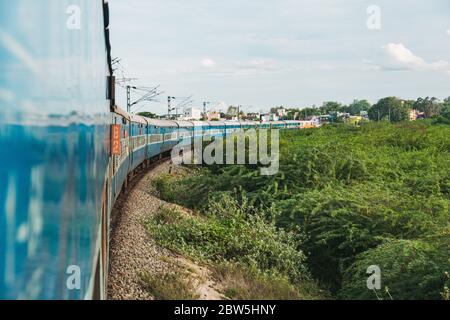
232,111
444,112
147,114
390,108
357,106
430,106
331,107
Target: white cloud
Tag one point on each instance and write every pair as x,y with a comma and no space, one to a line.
448,32
208,63
405,58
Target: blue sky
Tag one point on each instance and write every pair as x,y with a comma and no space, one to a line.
263,53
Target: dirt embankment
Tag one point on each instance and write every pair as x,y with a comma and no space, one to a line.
134,255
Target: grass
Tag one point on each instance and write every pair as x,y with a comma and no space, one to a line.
178,284
250,258
171,286
245,283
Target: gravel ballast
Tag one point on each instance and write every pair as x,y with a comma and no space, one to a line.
132,251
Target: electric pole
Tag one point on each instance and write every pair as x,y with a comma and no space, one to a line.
205,104
128,99
149,94
169,107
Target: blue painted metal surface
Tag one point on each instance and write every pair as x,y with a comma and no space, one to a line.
54,135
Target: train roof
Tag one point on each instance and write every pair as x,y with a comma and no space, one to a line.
232,123
200,124
138,119
184,124
216,123
248,123
278,122
121,112
161,123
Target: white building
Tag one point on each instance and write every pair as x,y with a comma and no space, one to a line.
281,112
192,113
269,117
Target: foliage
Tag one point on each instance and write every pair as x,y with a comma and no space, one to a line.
177,285
379,188
147,114
241,282
390,108
231,232
235,233
410,269
429,106
357,106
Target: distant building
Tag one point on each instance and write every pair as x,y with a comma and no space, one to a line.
281,112
269,117
253,116
415,114
355,120
213,116
192,114
365,115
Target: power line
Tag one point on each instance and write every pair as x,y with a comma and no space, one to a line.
182,104
148,94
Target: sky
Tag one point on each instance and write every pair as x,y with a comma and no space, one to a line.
292,53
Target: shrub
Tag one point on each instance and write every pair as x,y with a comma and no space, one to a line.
237,233
410,269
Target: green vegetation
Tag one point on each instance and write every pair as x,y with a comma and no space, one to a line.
147,114
177,285
345,198
236,239
391,109
241,282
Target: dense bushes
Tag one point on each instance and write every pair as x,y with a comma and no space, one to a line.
230,231
376,194
236,234
410,269
343,221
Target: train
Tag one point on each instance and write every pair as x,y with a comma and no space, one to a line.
67,149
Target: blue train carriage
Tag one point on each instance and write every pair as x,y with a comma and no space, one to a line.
138,140
200,128
155,136
169,130
231,127
54,133
254,124
185,134
247,125
264,125
292,124
120,158
217,129
244,125
278,125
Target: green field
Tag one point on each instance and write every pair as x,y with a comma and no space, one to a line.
345,198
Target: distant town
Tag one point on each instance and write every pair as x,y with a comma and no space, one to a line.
390,109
